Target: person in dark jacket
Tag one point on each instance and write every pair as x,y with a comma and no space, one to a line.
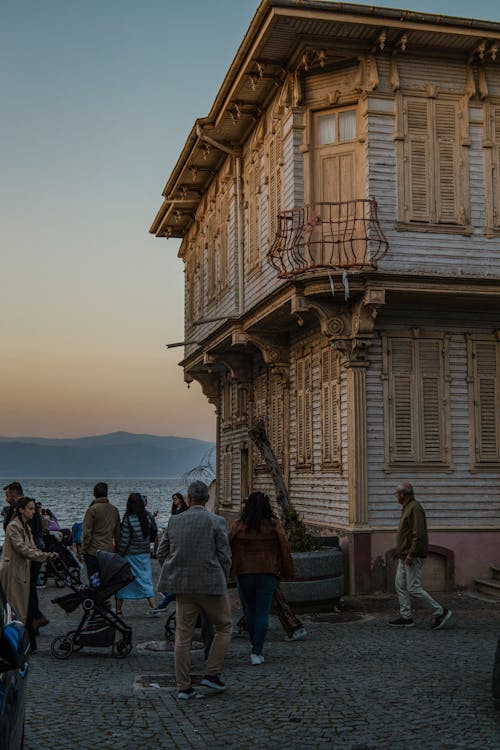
101,528
13,492
260,557
411,551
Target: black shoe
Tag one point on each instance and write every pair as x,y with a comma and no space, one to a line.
440,620
406,622
214,682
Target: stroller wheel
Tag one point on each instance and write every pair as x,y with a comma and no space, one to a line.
42,578
77,646
121,648
62,647
170,627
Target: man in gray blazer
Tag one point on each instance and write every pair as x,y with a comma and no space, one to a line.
196,559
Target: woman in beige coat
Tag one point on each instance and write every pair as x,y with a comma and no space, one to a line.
18,551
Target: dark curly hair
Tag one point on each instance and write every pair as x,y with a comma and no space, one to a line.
136,507
257,508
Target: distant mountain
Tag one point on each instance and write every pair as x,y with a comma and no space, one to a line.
118,454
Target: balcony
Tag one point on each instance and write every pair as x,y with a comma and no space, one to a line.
331,236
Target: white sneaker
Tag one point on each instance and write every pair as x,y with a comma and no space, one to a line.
256,659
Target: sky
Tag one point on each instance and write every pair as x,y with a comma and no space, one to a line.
98,98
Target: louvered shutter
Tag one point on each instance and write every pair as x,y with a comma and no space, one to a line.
335,403
223,243
274,183
496,166
446,162
401,400
277,418
418,158
260,408
299,412
308,437
430,377
227,461
486,386
326,407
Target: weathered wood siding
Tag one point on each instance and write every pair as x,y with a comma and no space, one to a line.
459,498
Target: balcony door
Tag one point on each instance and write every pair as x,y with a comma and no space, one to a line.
335,171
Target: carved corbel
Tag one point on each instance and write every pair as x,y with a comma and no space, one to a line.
239,365
333,323
209,383
354,349
372,77
273,353
470,82
394,73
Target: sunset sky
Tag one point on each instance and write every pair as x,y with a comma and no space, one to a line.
97,100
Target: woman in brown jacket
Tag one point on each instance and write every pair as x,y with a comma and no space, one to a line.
18,551
261,555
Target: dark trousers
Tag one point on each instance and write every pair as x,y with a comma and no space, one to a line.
32,606
91,563
256,592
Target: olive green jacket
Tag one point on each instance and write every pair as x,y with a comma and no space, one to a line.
412,538
101,527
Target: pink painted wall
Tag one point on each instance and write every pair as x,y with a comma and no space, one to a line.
475,551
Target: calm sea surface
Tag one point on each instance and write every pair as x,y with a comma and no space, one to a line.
68,498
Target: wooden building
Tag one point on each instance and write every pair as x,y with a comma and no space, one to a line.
339,210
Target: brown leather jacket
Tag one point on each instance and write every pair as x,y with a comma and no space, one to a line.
264,551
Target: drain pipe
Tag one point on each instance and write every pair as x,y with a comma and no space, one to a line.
238,180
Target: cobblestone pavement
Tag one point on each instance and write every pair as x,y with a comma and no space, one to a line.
355,686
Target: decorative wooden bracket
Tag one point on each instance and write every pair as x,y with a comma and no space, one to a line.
209,385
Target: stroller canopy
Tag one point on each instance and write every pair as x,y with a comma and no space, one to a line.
113,569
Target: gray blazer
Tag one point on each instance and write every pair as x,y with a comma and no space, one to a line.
195,554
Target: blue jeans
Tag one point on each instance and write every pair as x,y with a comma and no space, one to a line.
256,592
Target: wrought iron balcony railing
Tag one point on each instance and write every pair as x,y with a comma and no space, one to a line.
344,235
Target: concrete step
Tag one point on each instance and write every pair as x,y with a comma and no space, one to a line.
495,573
488,586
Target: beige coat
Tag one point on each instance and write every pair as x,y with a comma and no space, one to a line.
17,552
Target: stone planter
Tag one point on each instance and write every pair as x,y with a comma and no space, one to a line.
320,580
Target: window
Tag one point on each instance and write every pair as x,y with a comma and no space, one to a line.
274,182
227,403
211,257
431,161
492,166
484,399
303,411
336,127
415,378
330,406
222,241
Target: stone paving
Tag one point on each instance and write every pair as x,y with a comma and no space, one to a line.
359,685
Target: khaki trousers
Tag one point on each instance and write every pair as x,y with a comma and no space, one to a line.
218,612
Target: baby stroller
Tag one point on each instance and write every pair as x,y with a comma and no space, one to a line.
99,624
64,569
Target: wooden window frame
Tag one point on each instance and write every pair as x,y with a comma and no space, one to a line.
479,460
331,413
417,383
253,186
226,493
277,416
260,410
491,145
303,412
460,145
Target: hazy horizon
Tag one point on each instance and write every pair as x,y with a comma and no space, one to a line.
97,102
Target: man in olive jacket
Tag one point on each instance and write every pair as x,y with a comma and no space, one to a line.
101,528
411,549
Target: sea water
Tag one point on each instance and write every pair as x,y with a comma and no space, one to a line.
69,498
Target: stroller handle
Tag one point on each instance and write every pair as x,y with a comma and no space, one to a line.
66,569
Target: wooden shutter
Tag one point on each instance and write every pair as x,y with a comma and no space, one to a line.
487,400
299,411
330,422
446,162
277,418
253,199
431,422
496,165
260,409
418,160
223,243
275,183
401,400
308,435
227,467
211,258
